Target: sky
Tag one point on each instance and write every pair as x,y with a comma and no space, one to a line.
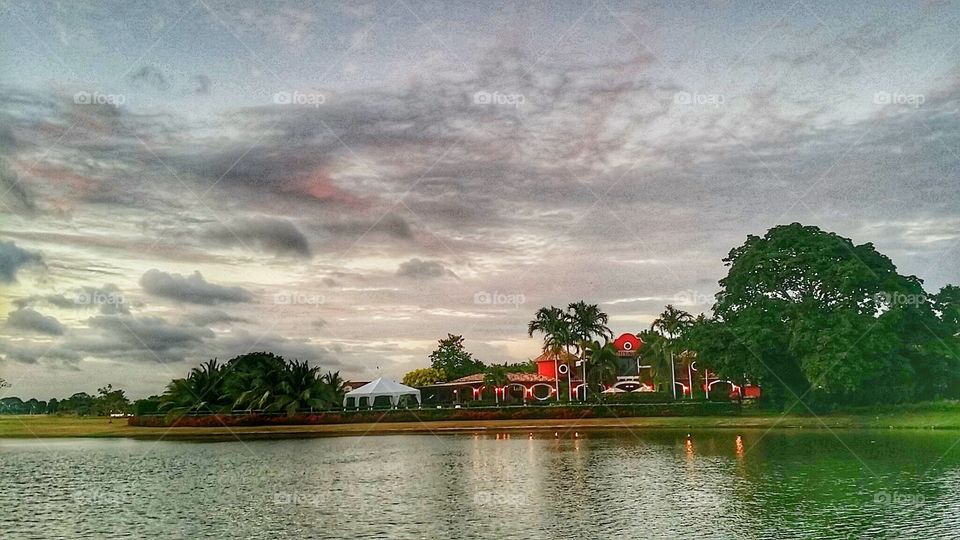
346,183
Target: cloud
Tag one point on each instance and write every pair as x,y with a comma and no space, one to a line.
277,236
149,76
201,85
192,289
212,316
118,338
13,258
145,333
107,298
33,321
14,193
419,269
392,226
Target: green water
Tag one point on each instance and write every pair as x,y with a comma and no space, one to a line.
655,484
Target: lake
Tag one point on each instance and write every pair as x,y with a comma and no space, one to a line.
655,484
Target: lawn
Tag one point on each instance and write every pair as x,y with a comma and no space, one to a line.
940,415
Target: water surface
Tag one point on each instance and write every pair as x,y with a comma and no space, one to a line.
653,484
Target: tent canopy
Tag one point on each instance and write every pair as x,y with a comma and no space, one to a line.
381,387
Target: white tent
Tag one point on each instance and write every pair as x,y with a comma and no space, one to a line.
381,387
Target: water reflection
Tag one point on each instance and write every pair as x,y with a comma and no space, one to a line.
507,485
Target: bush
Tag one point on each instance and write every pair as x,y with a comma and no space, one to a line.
559,412
638,397
146,406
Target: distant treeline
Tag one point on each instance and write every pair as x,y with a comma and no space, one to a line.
107,401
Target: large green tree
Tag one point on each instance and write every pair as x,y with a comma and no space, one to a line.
259,381
423,377
201,391
809,314
453,360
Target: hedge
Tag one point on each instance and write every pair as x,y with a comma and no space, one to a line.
697,408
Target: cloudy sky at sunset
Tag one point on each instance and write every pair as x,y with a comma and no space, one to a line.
347,183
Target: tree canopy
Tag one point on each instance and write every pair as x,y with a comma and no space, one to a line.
810,315
453,360
259,381
423,377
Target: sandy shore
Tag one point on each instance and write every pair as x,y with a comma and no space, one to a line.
54,426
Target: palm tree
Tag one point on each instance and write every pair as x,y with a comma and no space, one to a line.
671,324
332,388
496,378
557,332
656,354
202,390
253,379
261,388
587,324
299,388
604,363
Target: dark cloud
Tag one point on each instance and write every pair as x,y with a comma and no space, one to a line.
150,333
212,316
107,298
192,289
32,352
420,269
150,76
119,338
272,235
393,226
13,258
32,321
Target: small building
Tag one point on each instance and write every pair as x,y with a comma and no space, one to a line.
520,388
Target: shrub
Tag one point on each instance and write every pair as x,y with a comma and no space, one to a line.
638,397
559,412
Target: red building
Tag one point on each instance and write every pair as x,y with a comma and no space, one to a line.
560,372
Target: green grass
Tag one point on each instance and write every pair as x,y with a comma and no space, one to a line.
937,415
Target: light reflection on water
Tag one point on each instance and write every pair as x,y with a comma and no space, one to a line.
510,485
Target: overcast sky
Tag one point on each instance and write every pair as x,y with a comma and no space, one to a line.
347,184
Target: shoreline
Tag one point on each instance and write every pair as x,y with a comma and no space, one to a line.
43,427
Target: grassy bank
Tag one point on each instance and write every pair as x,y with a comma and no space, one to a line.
944,415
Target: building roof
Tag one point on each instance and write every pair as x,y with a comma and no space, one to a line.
511,377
